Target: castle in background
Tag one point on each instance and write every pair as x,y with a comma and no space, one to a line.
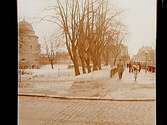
29,48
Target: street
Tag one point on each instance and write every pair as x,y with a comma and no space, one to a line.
51,111
134,101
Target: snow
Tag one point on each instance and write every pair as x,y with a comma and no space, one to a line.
46,71
62,81
62,72
142,77
95,75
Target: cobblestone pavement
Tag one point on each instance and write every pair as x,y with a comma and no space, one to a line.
51,111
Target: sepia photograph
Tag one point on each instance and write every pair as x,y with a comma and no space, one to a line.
87,62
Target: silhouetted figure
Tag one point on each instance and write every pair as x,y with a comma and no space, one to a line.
139,67
130,67
120,68
135,71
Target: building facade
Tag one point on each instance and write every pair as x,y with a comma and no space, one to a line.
29,48
145,55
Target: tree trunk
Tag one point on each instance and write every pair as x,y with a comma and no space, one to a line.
99,63
88,67
106,62
107,58
83,68
94,60
51,62
95,65
98,59
83,65
94,68
76,67
115,61
75,61
88,60
81,56
88,64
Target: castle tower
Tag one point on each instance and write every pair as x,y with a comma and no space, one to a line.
29,48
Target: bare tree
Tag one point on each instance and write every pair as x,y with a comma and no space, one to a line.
68,19
118,37
115,39
85,25
51,47
50,53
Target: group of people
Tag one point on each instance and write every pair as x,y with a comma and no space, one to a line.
133,68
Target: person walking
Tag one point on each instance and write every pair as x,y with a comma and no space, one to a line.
130,67
135,71
120,69
139,67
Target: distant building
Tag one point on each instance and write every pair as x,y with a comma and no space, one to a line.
29,48
44,60
60,58
145,55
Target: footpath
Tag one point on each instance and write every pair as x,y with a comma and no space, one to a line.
144,89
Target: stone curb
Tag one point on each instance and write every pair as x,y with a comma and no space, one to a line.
85,98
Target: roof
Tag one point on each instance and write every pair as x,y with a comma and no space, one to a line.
25,26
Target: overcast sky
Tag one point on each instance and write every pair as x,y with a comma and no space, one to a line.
140,18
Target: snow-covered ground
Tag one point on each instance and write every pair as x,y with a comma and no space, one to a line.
59,70
62,72
61,81
142,77
95,75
